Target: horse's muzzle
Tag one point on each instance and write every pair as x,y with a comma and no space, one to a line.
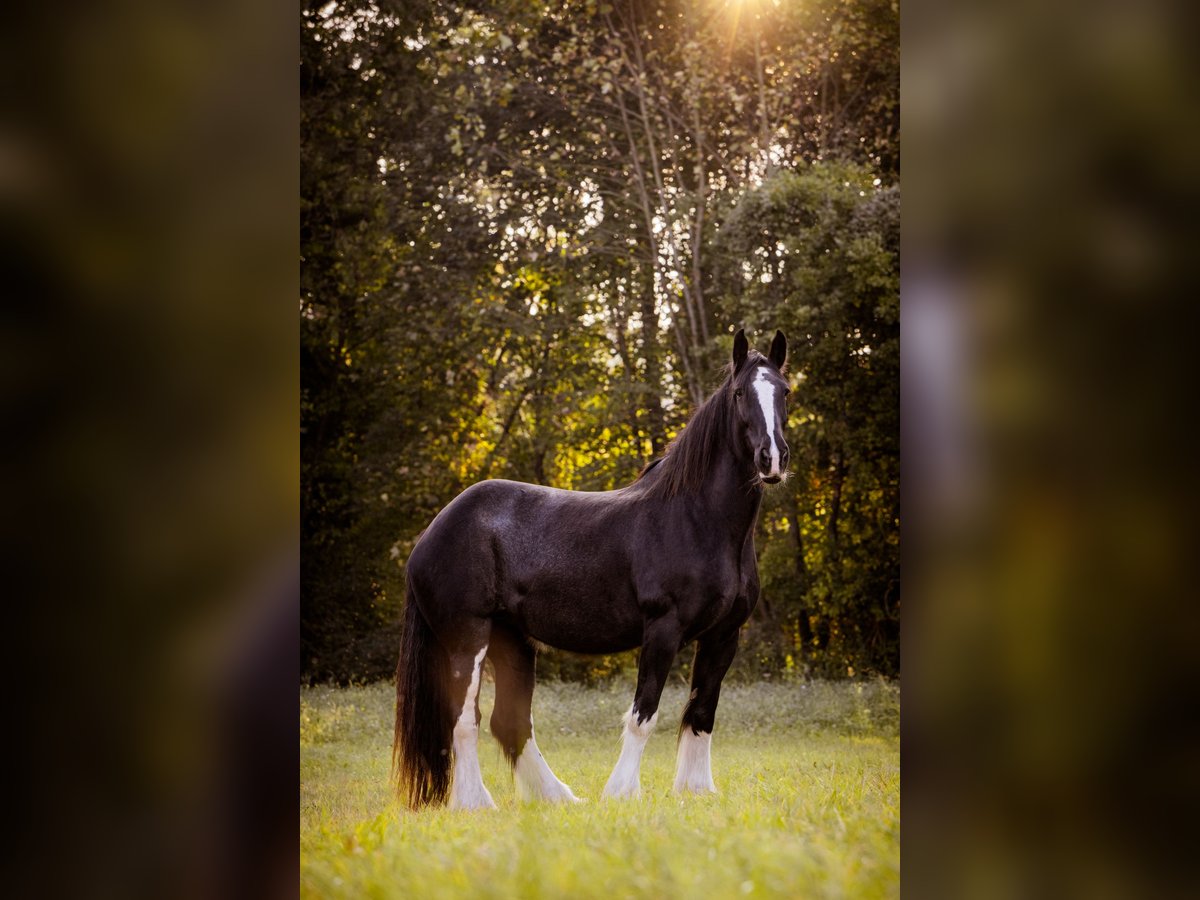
769,470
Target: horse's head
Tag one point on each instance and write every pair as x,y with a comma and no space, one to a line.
760,404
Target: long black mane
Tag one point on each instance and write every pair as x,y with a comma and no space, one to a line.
685,463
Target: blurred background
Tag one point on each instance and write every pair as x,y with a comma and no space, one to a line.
529,232
149,388
1049,292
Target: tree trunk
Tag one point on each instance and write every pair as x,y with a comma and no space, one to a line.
835,503
656,428
805,628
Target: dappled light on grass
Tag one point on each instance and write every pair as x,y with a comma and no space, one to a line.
809,802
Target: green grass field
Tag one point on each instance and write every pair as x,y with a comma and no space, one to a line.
809,803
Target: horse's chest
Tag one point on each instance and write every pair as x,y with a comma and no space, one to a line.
699,574
722,580
715,591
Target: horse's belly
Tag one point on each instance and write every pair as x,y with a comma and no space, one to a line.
581,619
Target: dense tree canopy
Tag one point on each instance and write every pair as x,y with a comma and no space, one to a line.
529,231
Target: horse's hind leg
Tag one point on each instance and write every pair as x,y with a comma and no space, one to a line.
693,765
467,652
512,718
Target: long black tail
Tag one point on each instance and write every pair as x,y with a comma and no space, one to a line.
421,758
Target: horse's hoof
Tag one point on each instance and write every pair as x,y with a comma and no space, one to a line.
566,799
471,804
701,791
622,793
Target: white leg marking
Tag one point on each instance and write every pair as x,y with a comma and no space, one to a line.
535,781
766,399
693,764
467,790
626,778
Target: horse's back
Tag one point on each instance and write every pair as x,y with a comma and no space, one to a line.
538,556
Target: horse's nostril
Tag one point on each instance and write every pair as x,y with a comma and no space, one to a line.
764,457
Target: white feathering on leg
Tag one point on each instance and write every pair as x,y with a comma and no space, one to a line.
626,778
693,763
467,790
535,780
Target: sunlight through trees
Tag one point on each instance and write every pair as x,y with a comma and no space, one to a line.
528,234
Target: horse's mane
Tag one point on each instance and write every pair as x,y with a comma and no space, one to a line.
688,457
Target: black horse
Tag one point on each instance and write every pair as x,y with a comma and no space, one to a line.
660,563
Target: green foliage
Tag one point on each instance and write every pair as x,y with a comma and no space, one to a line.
527,233
809,804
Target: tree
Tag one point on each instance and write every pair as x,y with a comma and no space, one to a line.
526,234
817,251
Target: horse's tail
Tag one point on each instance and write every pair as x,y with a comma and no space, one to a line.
424,721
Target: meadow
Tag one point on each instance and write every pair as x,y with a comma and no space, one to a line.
809,802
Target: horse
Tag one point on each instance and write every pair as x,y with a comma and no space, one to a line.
667,560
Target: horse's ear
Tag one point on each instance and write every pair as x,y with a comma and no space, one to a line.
741,348
778,354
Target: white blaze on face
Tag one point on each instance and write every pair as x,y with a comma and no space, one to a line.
766,399
467,790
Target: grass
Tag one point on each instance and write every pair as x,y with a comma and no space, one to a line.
809,776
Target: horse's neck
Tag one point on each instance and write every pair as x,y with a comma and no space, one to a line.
732,493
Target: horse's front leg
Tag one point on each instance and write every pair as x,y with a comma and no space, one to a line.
693,764
660,643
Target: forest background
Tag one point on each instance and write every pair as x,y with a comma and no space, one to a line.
528,233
